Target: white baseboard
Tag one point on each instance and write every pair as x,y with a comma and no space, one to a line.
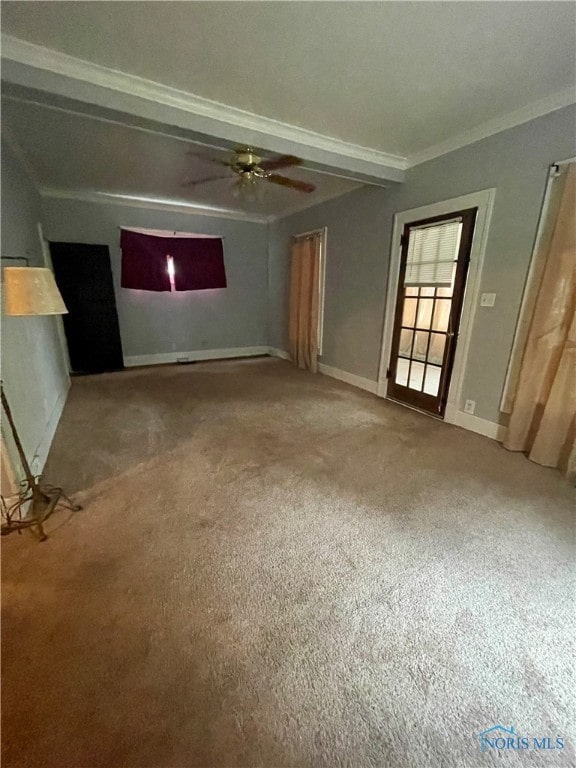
349,378
458,418
198,354
41,453
275,352
478,425
335,373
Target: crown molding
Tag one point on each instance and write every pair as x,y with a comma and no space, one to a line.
136,201
140,201
306,203
48,60
531,111
223,121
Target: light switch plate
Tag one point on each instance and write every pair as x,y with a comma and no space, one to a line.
487,299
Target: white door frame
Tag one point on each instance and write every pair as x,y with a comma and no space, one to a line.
484,201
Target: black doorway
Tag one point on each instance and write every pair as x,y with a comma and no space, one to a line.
84,277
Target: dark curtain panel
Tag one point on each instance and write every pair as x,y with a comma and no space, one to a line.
198,262
144,264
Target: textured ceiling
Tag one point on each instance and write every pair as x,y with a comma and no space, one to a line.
396,76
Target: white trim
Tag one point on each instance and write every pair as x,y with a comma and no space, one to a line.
480,426
214,113
349,378
199,354
484,201
457,418
281,353
136,201
304,203
519,116
335,373
38,460
358,177
68,74
107,198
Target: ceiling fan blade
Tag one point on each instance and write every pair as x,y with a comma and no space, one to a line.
211,160
284,181
195,182
279,162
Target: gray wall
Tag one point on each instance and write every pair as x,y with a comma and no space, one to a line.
155,323
356,273
34,369
515,162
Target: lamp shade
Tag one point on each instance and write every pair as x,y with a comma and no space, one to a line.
32,291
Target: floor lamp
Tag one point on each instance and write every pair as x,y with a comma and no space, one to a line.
31,291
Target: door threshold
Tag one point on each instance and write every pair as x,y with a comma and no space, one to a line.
413,408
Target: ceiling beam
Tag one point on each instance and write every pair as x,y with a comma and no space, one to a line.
105,91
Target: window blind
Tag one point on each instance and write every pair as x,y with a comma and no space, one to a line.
432,251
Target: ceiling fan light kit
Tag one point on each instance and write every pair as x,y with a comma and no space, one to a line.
250,168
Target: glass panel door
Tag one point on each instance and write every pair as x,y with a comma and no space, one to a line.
433,268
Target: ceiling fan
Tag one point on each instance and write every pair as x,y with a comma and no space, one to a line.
250,169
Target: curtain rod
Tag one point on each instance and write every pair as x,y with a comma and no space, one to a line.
554,168
199,235
311,233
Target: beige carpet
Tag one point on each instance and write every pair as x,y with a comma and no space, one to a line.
274,569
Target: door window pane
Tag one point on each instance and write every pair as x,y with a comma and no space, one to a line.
420,345
405,347
441,314
432,381
427,290
411,292
409,312
402,372
436,349
416,375
425,313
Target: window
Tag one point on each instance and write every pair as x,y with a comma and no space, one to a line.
171,262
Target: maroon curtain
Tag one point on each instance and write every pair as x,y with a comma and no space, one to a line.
198,262
144,265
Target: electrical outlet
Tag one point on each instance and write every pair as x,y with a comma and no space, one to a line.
487,299
469,406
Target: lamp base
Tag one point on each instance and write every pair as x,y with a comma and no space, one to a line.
43,500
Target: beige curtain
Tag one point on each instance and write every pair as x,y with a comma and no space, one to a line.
543,418
305,301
